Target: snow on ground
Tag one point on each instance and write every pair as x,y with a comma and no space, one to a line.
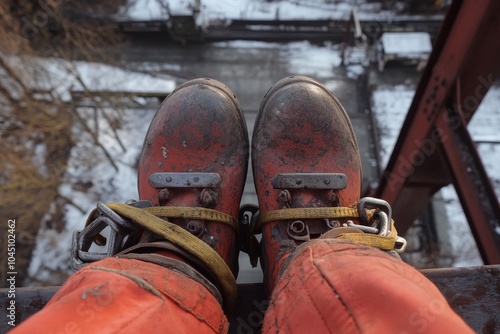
283,10
485,124
464,247
308,59
411,45
151,67
139,10
210,10
90,179
390,105
483,127
302,58
249,46
62,77
355,71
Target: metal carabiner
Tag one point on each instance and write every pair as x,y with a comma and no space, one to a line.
384,224
373,203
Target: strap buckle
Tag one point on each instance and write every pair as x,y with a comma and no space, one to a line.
248,216
122,234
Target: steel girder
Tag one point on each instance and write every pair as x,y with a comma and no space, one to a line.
434,147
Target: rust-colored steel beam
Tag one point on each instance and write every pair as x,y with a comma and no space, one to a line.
472,184
461,68
436,86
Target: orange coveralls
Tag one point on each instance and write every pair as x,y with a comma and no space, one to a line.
329,286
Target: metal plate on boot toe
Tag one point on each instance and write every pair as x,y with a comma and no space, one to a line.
331,181
184,180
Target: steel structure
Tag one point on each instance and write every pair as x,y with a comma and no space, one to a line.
434,147
184,29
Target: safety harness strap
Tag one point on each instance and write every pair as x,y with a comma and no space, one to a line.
175,234
308,213
187,212
384,243
387,242
193,213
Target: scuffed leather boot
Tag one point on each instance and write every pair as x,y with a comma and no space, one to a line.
194,158
304,155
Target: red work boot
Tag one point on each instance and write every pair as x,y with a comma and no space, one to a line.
170,259
304,155
195,155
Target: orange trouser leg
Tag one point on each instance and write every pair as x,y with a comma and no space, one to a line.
331,286
128,296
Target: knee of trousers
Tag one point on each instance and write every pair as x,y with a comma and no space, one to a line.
123,295
330,285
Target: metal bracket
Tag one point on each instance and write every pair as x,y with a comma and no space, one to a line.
327,181
184,180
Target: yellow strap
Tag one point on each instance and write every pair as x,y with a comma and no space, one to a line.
193,213
306,213
372,240
384,243
188,242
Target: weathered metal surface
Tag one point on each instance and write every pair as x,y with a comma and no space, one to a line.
474,293
27,302
283,30
461,68
183,180
332,181
435,87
